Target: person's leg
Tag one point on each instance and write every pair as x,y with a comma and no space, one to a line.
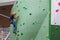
14,25
15,28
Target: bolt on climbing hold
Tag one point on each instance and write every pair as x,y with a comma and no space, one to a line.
25,8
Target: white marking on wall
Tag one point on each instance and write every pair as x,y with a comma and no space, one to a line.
55,12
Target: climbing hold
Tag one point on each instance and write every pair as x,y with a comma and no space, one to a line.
43,9
23,23
18,10
16,2
33,23
21,33
57,10
30,13
56,28
25,8
58,3
17,34
17,31
55,23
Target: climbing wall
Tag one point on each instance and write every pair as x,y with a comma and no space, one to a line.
33,21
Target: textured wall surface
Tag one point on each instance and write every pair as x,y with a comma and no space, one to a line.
33,22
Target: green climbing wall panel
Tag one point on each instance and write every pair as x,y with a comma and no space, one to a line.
33,22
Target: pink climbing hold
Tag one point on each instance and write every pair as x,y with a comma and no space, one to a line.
58,3
57,10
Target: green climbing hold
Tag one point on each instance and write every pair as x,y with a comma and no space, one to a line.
33,23
30,13
20,24
21,33
18,10
23,23
16,2
25,8
43,9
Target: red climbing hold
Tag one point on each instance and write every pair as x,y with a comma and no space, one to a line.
58,3
57,10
